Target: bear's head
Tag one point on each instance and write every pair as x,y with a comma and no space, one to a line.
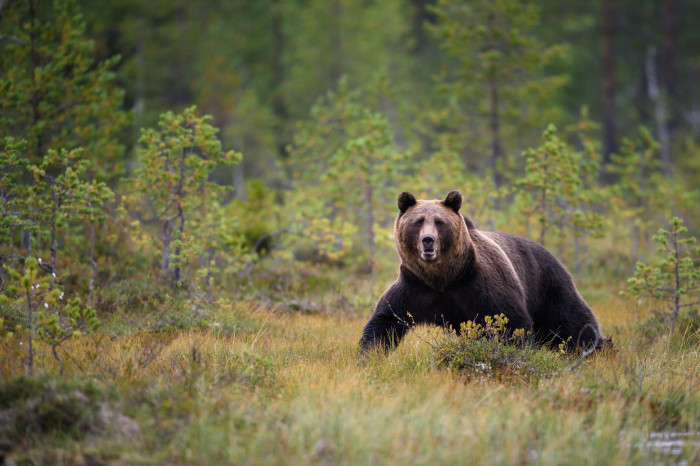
432,237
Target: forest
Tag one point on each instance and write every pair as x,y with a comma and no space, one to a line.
197,204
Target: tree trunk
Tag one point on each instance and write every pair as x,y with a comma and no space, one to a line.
369,225
30,325
178,250
543,213
641,98
494,117
609,129
239,182
335,67
577,247
167,227
35,148
180,193
93,264
420,15
660,111
676,270
237,172
167,238
279,106
669,72
54,247
139,84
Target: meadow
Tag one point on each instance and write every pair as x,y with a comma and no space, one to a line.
255,383
197,203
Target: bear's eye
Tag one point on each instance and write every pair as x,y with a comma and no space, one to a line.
419,221
439,223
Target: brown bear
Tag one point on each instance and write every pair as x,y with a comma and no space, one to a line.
451,272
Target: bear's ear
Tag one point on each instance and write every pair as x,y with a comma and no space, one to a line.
405,201
453,201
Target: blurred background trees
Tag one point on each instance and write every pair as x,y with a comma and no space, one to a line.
336,106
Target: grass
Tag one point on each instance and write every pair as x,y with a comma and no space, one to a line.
253,386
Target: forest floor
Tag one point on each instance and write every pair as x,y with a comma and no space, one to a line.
253,386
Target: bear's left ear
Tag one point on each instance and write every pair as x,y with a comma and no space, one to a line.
453,201
405,201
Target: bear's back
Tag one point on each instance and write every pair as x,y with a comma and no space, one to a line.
542,275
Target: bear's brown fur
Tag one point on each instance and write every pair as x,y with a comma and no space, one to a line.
451,272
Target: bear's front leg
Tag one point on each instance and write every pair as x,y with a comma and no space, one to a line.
383,331
388,325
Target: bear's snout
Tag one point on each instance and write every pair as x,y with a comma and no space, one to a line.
428,252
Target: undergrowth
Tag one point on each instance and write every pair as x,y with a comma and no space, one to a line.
33,408
683,330
488,351
246,384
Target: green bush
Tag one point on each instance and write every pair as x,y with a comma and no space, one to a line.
489,351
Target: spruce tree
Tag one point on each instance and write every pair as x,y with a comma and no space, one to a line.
494,83
55,94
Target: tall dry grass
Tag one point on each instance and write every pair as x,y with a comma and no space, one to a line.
259,387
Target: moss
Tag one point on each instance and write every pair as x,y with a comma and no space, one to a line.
36,406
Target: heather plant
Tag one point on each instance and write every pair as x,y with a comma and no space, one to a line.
488,351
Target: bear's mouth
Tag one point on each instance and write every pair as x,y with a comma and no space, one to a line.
428,255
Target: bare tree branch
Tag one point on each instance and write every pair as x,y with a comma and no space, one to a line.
11,38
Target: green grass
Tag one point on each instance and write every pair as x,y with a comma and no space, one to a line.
247,385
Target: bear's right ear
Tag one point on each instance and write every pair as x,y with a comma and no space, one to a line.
453,201
405,201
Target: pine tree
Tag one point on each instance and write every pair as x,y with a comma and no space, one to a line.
558,196
13,212
55,94
674,281
346,169
640,191
172,183
495,82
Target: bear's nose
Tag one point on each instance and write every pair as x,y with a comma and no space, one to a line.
428,241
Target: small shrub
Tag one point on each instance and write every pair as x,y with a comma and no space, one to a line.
489,351
254,369
674,281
